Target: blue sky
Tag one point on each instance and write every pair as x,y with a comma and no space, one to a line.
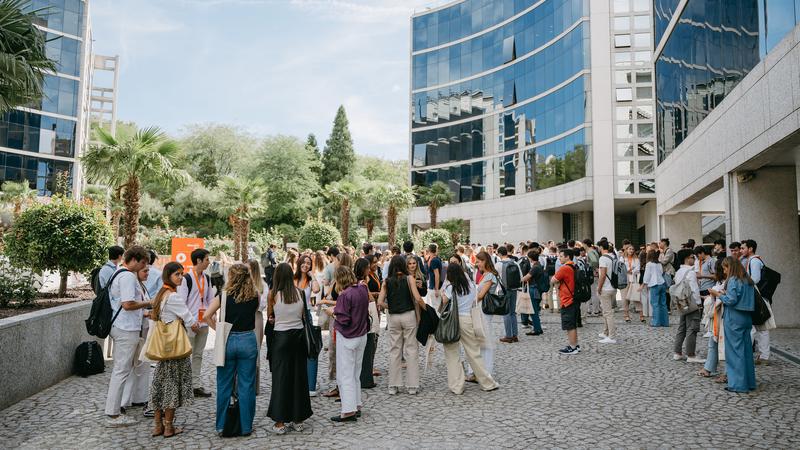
267,66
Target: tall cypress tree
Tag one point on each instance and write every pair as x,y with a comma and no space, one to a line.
338,158
313,149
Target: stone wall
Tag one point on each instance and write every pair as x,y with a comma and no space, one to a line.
37,349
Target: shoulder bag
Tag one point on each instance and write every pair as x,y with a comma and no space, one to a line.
312,334
524,305
448,330
222,332
477,320
495,304
168,341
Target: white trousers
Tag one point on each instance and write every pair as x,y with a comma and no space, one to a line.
487,345
125,343
137,387
349,354
761,338
198,342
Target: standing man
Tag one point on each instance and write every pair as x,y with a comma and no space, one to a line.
593,258
268,263
127,305
510,319
607,293
565,278
719,248
754,266
667,259
115,253
197,292
435,277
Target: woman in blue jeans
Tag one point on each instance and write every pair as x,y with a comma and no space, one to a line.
654,280
241,349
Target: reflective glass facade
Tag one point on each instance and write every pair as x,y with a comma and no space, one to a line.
663,10
504,111
38,130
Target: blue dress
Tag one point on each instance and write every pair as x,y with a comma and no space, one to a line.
739,300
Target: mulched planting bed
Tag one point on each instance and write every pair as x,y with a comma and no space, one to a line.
47,300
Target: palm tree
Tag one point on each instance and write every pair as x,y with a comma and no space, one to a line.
124,163
23,58
18,194
434,197
370,209
396,199
242,199
344,193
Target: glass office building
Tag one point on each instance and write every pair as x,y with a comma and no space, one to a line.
712,46
44,138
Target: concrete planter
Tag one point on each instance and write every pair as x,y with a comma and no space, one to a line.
37,349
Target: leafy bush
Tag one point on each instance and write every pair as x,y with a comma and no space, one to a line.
160,239
62,235
317,234
357,237
381,237
20,285
216,245
264,238
441,237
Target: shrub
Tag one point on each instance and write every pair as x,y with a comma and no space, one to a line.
316,235
62,235
20,285
160,239
264,238
357,237
216,245
382,237
441,237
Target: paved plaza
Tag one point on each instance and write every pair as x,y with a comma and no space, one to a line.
629,395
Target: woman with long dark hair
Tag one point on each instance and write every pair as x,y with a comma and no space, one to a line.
304,280
172,379
739,300
289,402
464,293
241,349
488,283
400,296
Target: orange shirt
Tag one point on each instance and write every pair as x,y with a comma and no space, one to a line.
566,276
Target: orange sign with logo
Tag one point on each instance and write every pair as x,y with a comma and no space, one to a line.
182,249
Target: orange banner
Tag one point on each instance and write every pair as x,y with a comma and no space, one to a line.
182,249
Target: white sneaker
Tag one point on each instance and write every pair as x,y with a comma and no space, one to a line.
412,391
121,421
602,336
392,390
677,357
297,426
608,340
312,393
695,359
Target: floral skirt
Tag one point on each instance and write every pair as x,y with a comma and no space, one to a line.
172,384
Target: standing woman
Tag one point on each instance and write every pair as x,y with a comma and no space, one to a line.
716,327
262,290
304,280
464,293
739,301
351,321
416,271
400,296
487,284
318,271
656,285
631,294
289,402
241,349
643,296
367,271
172,379
291,258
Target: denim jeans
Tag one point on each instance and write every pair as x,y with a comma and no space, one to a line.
712,359
241,354
510,319
658,301
313,364
537,306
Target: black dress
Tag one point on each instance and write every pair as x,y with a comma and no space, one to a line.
289,400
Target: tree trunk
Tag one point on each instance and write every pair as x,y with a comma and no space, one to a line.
62,285
391,224
433,210
234,221
131,201
17,209
345,222
370,224
115,217
245,238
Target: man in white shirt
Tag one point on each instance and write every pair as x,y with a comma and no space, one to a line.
754,265
198,293
607,293
127,304
689,323
115,253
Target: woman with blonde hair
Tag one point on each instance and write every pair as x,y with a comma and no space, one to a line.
416,271
172,379
241,349
631,293
488,283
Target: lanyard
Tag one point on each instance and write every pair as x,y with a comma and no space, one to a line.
201,286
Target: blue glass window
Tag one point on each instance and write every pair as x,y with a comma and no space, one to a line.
60,15
39,173
37,133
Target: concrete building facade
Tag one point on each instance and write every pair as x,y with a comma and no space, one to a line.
539,116
728,115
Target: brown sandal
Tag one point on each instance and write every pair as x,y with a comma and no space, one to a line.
721,379
158,430
704,373
170,431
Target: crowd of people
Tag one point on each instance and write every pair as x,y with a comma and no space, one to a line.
347,291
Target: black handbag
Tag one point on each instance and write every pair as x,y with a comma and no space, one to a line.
233,421
312,334
448,330
494,304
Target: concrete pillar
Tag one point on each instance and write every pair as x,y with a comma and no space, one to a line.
587,226
647,217
681,227
764,209
549,226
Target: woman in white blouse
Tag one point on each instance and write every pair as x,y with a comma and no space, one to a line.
654,280
631,293
172,379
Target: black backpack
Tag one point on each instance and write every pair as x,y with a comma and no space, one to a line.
513,275
770,279
94,279
550,268
89,359
583,284
760,313
100,321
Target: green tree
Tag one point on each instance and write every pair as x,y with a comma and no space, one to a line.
316,235
286,167
434,197
193,206
316,155
62,235
382,171
370,208
213,151
242,199
124,162
397,199
422,239
458,229
338,158
18,194
344,194
23,57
